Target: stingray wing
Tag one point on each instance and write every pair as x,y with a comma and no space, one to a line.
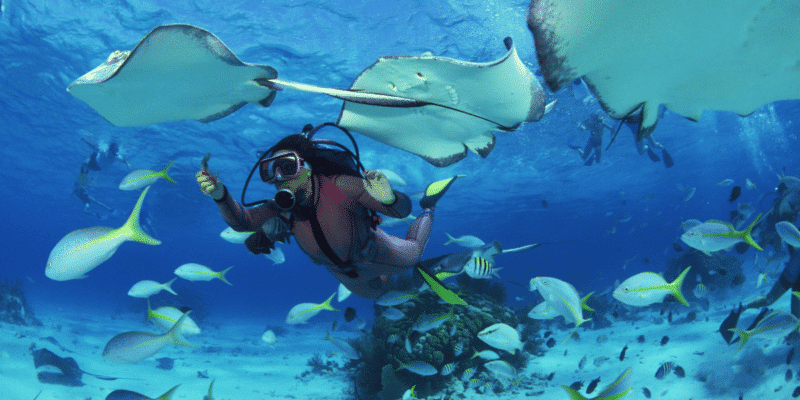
690,55
176,72
464,102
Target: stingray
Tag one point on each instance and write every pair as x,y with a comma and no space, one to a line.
690,55
70,374
435,107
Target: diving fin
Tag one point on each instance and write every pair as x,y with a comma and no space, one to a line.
667,158
653,156
435,191
438,288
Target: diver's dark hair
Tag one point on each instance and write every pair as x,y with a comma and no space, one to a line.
325,157
323,161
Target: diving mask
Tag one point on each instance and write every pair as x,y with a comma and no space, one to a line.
280,168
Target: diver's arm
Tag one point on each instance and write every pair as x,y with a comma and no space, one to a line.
245,219
355,187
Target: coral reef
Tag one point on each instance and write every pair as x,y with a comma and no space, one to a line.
13,306
318,365
435,347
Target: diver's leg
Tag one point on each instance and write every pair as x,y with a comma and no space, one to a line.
598,151
587,150
640,146
395,255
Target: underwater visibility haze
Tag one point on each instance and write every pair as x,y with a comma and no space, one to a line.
570,167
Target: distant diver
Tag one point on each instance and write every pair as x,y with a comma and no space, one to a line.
633,121
596,125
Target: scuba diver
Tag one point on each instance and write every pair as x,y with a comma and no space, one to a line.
633,121
325,202
596,126
97,161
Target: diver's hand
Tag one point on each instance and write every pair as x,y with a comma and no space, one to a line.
379,187
210,185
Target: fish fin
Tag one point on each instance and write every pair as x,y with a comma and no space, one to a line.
437,287
176,332
583,302
495,272
168,395
132,228
451,239
327,304
221,275
746,234
573,394
210,389
168,288
164,171
149,310
575,330
744,335
675,287
617,389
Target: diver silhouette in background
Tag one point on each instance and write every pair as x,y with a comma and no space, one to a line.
96,161
596,125
633,121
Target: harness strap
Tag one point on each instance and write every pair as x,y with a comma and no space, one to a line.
319,236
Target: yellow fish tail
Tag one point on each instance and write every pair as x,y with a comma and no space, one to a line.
583,302
327,304
168,395
210,389
675,287
221,275
150,312
163,172
176,332
746,234
132,229
743,335
575,330
573,394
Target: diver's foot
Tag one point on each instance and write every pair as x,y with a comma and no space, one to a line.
435,191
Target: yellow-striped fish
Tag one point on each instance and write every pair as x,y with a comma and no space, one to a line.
481,268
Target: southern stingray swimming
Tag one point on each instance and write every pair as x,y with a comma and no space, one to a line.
435,107
730,55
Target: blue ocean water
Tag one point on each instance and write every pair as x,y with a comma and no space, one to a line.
46,45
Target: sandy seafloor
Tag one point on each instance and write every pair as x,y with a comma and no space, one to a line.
245,368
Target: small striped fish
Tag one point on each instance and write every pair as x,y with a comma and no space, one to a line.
467,375
448,369
664,370
480,268
458,349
